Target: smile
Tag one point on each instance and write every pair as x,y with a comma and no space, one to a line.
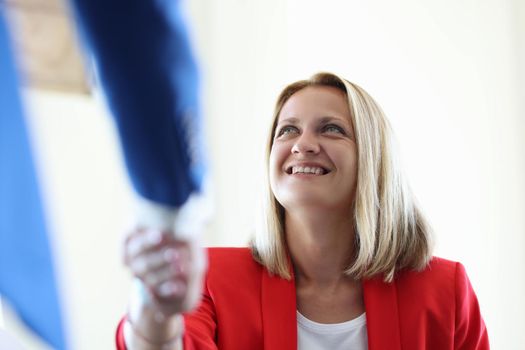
310,170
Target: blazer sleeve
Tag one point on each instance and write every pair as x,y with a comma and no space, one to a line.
119,336
199,327
470,331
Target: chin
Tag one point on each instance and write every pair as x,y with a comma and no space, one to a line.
305,201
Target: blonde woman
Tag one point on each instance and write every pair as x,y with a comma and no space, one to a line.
344,261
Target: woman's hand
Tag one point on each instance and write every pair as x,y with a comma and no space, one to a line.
170,269
169,273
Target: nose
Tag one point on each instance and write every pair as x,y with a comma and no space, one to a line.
306,143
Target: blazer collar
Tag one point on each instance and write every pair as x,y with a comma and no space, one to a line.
279,318
279,313
382,314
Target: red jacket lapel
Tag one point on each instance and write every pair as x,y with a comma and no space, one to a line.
278,306
382,316
278,313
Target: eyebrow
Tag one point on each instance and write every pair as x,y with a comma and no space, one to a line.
327,119
291,120
324,120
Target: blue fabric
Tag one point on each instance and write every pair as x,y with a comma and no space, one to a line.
144,60
27,278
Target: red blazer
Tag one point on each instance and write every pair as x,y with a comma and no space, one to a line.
245,308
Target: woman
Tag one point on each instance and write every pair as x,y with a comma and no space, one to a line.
344,261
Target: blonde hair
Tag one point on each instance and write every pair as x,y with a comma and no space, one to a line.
391,231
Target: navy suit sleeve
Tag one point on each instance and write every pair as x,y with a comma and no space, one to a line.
144,60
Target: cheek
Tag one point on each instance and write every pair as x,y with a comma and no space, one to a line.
276,162
347,159
352,164
273,165
277,156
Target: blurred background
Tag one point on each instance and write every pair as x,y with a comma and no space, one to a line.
449,75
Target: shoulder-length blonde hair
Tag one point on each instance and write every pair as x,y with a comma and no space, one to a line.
391,232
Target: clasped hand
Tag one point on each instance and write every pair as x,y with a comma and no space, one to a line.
171,269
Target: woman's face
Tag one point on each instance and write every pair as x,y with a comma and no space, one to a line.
313,161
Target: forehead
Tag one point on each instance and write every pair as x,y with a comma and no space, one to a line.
316,100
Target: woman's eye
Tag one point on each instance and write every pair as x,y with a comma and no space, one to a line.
286,130
331,128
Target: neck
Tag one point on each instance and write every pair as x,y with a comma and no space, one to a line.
321,245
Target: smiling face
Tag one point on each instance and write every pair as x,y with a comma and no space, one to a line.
313,159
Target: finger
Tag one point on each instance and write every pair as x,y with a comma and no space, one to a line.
183,252
141,242
126,239
172,289
164,274
149,262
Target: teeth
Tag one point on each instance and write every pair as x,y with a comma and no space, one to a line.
307,170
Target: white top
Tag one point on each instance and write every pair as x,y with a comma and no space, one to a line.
335,336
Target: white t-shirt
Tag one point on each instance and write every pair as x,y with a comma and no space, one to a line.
336,336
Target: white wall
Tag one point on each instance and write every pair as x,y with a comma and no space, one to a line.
447,74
